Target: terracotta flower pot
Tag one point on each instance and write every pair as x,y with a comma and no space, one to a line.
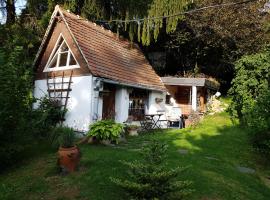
133,132
69,158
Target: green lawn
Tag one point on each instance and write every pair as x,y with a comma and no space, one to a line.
215,149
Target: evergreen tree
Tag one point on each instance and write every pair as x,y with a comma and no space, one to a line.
151,179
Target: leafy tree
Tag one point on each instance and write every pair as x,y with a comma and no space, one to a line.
150,179
144,26
213,39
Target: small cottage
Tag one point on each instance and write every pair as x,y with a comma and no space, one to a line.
93,73
190,94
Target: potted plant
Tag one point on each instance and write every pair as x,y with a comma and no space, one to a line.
132,130
68,152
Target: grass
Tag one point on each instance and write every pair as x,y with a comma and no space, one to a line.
215,148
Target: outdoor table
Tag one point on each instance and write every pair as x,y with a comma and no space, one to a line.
153,120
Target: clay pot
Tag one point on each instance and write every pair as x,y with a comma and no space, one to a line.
69,158
133,132
105,142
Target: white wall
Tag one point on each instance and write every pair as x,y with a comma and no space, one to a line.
121,104
153,107
79,104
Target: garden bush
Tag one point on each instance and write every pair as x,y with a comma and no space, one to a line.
258,119
250,97
149,178
106,130
47,116
15,103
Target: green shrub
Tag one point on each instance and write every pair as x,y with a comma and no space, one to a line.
258,119
250,97
63,136
151,179
105,130
15,103
48,115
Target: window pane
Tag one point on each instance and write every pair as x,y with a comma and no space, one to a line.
64,47
63,59
72,61
53,62
137,103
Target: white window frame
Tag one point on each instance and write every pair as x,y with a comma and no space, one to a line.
57,68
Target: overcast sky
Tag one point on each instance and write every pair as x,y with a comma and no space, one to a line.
20,4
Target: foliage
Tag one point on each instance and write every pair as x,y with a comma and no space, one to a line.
48,114
106,130
213,40
194,119
17,43
15,103
145,30
258,118
250,94
251,80
150,179
63,136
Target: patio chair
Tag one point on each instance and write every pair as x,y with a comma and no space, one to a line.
146,123
176,117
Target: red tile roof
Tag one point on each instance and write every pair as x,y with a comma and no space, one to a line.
111,57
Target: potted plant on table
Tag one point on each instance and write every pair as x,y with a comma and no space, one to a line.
68,152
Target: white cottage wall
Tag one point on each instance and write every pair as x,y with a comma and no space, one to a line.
153,107
121,104
79,104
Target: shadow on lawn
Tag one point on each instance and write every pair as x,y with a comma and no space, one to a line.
214,155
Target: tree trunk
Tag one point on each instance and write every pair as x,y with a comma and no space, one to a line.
11,14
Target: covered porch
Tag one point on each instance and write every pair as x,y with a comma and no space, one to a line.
122,102
190,94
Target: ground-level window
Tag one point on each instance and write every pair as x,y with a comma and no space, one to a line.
138,101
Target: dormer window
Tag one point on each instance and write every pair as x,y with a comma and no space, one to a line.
61,57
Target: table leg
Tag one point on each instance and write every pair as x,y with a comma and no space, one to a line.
155,122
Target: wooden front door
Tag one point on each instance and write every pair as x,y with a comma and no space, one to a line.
108,108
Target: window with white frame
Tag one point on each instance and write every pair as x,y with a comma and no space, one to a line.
61,57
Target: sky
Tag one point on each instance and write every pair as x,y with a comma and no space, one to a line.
20,4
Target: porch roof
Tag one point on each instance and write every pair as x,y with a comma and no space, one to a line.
203,82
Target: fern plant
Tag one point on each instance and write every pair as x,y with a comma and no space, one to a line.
106,130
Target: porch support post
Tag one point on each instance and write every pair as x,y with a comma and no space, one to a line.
194,98
121,104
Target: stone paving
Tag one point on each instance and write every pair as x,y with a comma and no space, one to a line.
245,170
